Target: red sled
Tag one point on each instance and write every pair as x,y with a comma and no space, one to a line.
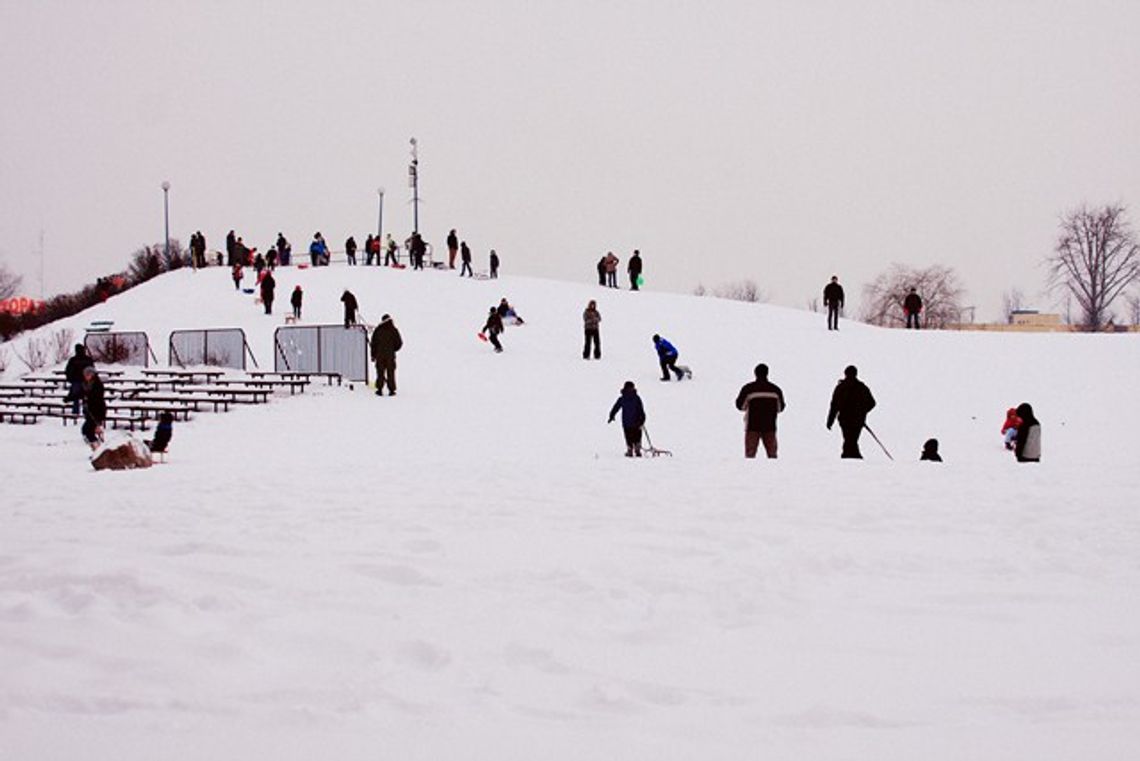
481,336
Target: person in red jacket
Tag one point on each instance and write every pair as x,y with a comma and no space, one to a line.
1010,426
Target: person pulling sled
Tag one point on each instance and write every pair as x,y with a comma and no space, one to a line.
632,418
667,355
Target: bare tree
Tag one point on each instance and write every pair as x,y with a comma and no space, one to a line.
1012,301
9,282
740,290
938,286
3,359
813,305
61,344
700,290
35,355
1096,260
1134,309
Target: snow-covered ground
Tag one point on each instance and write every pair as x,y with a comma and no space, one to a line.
471,570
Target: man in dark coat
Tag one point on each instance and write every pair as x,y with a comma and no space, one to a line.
632,418
492,329
912,308
350,307
602,271
296,300
494,264
350,250
268,286
634,269
418,250
452,248
833,300
760,401
94,408
386,341
850,402
465,255
73,373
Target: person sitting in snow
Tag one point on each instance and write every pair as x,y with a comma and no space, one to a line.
930,451
507,312
1009,427
632,418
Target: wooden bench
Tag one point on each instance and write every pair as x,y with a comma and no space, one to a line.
293,384
19,415
188,400
185,375
330,377
152,409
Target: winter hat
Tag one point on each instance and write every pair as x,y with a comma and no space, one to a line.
386,318
761,370
628,386
931,446
851,371
656,338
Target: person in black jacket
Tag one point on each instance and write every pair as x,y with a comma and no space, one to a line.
386,341
850,402
268,286
760,401
296,300
465,255
94,408
162,433
452,248
634,269
632,418
602,271
73,374
494,264
350,250
350,307
833,300
930,452
912,308
493,328
1027,447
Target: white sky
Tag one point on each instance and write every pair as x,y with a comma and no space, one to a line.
777,141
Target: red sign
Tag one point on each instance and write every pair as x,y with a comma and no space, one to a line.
20,305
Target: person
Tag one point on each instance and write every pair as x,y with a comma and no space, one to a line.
850,402
930,452
231,248
386,341
73,374
833,300
493,328
319,251
494,265
350,307
163,432
1028,445
452,247
374,250
611,269
268,286
506,311
350,250
760,401
94,408
667,356
591,319
369,246
602,271
391,253
198,249
271,258
912,308
465,255
418,250
634,269
295,299
283,250
1009,427
632,418
237,275
258,265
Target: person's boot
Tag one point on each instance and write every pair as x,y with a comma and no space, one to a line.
637,450
629,451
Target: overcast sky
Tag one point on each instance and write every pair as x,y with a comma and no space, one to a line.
778,141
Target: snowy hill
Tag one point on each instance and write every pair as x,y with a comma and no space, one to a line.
472,569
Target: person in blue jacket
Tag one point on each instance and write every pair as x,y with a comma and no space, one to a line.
667,355
632,418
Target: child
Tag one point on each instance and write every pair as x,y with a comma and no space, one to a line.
1009,428
162,433
493,328
930,451
237,275
632,418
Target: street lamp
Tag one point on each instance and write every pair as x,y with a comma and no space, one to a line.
414,181
166,217
380,216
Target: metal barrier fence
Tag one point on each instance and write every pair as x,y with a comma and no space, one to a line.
126,348
322,349
219,347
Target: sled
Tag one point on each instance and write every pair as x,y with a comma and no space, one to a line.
688,373
651,450
482,336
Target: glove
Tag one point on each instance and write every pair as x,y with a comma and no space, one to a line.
610,420
829,426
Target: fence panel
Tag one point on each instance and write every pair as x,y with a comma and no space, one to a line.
222,347
322,349
126,348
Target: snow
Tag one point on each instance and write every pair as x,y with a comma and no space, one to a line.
472,570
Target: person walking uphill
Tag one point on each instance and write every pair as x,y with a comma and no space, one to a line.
632,418
452,249
295,300
386,341
493,328
350,307
760,401
833,300
634,269
73,374
494,265
592,319
465,255
912,308
1028,446
268,286
850,402
667,356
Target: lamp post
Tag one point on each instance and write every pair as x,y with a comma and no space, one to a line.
380,215
166,218
414,181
